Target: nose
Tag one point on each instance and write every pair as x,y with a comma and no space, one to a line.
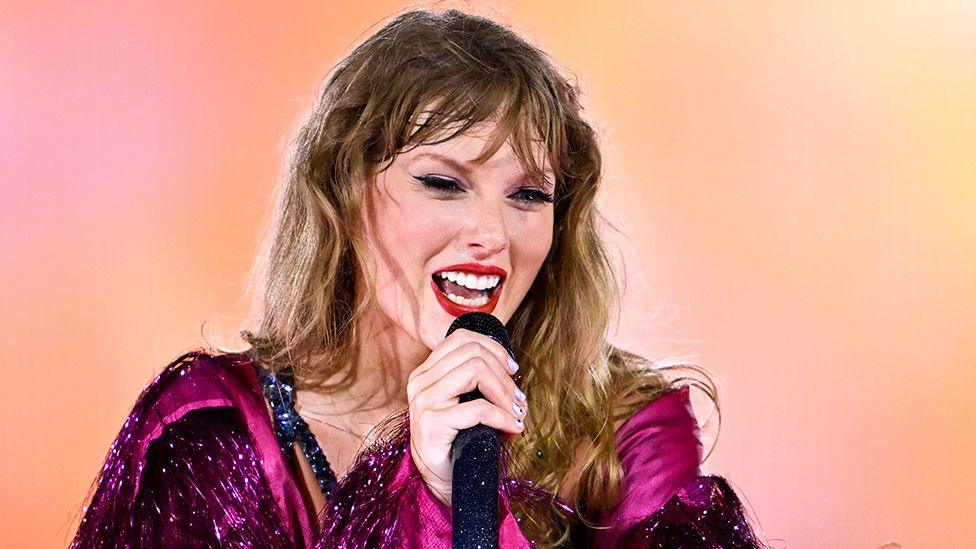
485,233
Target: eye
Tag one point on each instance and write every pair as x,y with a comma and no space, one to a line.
533,196
526,196
439,184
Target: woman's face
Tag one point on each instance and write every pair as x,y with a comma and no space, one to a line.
451,237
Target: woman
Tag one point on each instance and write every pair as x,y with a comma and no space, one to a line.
444,169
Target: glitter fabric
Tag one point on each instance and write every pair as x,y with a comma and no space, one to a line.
197,463
384,502
704,513
188,497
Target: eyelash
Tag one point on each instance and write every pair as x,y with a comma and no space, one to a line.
449,186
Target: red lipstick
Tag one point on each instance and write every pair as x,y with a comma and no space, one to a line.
476,269
456,309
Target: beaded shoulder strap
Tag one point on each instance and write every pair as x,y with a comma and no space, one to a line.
279,389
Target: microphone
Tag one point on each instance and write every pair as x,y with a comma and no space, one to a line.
474,455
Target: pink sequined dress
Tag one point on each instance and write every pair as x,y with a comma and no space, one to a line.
197,463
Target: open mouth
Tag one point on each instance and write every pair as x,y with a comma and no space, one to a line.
467,289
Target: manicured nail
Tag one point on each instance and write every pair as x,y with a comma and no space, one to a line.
518,422
519,395
519,411
512,365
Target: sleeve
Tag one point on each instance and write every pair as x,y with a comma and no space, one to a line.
201,485
665,500
705,512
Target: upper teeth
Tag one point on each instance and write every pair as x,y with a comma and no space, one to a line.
472,281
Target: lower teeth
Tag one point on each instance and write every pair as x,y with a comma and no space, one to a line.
475,302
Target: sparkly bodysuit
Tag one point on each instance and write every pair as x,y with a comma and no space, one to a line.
199,462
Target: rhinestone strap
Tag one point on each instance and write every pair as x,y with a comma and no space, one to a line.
279,389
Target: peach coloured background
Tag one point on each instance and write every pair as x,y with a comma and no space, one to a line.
797,182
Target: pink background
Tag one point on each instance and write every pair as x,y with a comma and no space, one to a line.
797,185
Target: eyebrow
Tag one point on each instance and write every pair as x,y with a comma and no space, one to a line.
464,167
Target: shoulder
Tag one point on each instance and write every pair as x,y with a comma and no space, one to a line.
194,381
668,416
203,441
664,433
661,436
204,474
660,450
212,432
186,415
199,372
648,402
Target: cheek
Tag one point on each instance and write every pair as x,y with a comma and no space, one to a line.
531,242
412,230
409,231
532,239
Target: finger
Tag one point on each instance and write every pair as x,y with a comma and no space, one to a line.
468,414
469,351
460,338
475,373
494,347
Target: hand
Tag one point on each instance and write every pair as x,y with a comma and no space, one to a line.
463,361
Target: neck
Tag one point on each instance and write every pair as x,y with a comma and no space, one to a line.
386,358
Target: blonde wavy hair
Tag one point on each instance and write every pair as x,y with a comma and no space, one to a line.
419,76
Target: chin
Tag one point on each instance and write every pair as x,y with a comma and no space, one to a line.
433,335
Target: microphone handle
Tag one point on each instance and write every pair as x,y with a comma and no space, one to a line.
475,454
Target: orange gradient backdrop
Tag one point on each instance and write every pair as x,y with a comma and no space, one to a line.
796,183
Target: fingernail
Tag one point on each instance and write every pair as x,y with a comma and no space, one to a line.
512,365
518,422
519,411
519,395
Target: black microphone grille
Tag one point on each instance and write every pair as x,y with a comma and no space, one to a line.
485,324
